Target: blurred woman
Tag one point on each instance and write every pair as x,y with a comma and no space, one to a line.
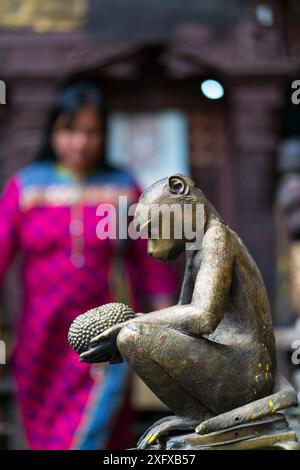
48,212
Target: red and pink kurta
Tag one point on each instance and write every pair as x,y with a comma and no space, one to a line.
51,219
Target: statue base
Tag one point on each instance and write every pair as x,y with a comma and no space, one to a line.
271,432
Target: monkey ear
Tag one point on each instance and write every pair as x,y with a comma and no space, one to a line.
180,184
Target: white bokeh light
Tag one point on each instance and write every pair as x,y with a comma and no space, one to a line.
212,89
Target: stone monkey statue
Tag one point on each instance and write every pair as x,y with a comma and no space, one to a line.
211,357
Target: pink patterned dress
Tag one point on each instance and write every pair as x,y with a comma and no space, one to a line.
51,219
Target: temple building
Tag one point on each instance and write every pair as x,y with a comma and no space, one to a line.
203,87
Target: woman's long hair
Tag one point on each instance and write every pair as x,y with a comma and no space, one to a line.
69,102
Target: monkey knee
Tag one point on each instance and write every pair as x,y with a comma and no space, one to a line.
128,339
137,340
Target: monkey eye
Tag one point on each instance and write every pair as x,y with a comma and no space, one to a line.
177,188
178,185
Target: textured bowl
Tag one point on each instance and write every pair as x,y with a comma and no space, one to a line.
90,324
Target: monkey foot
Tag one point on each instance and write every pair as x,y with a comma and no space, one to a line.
271,432
163,427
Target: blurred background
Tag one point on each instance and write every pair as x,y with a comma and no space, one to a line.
200,87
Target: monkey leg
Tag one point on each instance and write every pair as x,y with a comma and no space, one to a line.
140,346
196,378
188,411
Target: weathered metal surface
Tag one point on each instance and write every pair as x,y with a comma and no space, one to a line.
211,358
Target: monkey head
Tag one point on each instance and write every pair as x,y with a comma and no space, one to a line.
154,213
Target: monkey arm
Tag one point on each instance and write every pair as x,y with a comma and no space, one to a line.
211,290
213,281
206,310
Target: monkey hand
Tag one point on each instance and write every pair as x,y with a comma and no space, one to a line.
113,331
104,351
103,347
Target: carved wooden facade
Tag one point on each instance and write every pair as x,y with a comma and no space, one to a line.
232,143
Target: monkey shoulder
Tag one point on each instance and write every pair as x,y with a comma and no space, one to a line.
219,238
